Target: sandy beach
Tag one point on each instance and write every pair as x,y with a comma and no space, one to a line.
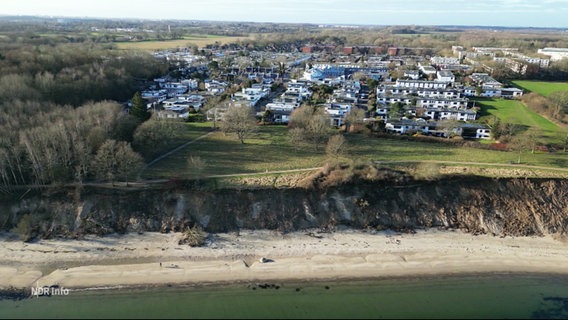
157,259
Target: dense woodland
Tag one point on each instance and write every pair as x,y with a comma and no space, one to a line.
63,82
61,108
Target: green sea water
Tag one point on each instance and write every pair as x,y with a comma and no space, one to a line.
454,297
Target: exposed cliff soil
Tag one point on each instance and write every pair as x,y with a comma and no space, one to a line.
363,198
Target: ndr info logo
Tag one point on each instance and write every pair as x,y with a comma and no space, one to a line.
54,290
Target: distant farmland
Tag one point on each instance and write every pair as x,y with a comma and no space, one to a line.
199,41
544,88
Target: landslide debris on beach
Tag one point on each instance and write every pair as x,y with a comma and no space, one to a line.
358,197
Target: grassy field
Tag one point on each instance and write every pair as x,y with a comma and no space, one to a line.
200,41
514,111
542,87
188,132
269,150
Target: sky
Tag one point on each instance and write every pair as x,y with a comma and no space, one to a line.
506,13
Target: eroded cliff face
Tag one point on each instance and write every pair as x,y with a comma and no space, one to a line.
517,207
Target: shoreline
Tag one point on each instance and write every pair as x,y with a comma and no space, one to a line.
133,260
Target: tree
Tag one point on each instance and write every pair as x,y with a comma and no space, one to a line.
354,117
196,165
267,116
559,104
336,146
116,160
138,108
155,135
519,144
449,127
565,142
532,136
478,90
239,120
310,124
503,130
396,110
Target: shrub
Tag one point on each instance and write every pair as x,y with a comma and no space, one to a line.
25,228
194,237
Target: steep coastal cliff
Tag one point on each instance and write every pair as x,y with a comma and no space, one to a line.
387,200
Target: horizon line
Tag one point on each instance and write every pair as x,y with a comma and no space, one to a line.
272,22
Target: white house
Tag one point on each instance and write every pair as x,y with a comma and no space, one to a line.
412,74
337,113
422,84
555,54
445,76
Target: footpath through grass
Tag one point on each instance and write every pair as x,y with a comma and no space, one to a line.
270,150
544,88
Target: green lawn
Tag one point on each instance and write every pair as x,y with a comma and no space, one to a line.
544,88
516,112
188,132
269,150
266,150
381,149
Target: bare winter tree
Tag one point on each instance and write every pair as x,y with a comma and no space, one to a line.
239,120
310,124
116,160
354,117
336,146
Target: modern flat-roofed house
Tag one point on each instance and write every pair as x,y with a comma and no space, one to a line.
174,113
438,128
450,114
555,54
412,74
486,80
422,84
406,126
337,113
427,70
442,103
215,87
280,111
511,92
445,76
476,131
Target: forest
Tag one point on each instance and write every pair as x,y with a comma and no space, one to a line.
62,107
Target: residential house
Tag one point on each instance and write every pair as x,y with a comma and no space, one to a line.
450,114
555,54
445,76
174,113
436,102
280,111
215,87
427,69
422,84
437,128
337,113
485,80
412,74
511,93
